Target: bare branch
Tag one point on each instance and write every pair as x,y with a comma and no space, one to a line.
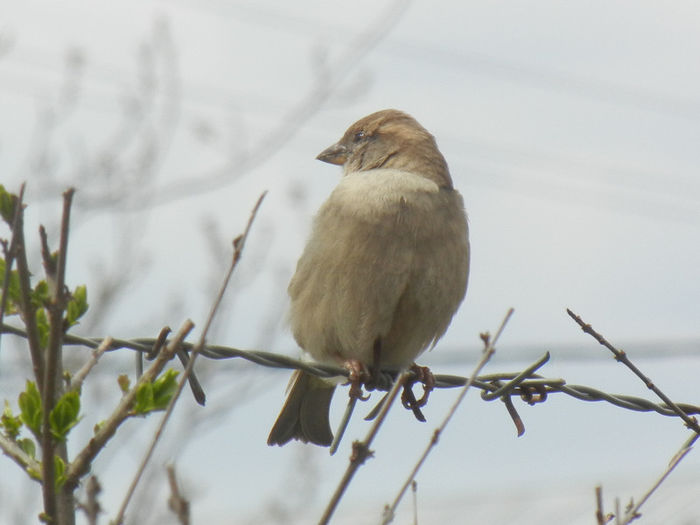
91,507
600,516
10,251
326,84
80,375
55,276
27,463
81,465
238,245
27,309
177,502
360,449
621,356
633,512
489,350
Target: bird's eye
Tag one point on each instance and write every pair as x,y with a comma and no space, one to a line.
359,136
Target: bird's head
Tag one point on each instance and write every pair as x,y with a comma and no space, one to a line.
389,139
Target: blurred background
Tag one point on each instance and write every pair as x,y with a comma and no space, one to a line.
572,130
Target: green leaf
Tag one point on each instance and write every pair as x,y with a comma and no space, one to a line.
59,472
10,423
77,306
164,388
151,397
40,294
42,325
28,446
13,290
64,415
8,201
30,408
34,474
144,399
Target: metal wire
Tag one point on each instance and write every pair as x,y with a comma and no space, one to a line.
532,388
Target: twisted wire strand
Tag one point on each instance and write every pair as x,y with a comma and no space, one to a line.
532,388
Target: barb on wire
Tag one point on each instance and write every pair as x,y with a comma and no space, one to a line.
517,380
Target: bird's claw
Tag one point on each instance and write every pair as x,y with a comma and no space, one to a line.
358,375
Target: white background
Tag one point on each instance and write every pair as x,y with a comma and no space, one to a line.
572,130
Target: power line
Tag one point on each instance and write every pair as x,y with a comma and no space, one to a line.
547,78
487,65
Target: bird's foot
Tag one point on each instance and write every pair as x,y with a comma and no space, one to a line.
423,375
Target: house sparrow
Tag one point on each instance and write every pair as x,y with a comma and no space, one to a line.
385,267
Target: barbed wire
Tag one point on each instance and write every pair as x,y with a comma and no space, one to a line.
529,386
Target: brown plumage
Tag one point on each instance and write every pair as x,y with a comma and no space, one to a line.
386,263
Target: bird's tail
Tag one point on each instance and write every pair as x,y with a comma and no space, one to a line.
304,415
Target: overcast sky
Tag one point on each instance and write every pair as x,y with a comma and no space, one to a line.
571,128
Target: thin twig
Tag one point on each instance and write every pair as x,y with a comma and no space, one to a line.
490,348
414,493
327,82
177,502
600,516
91,507
78,378
82,462
621,356
361,451
162,358
633,513
55,275
599,512
27,309
238,245
27,463
350,407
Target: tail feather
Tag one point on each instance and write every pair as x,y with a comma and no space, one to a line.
304,415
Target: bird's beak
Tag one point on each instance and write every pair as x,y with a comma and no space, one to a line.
336,154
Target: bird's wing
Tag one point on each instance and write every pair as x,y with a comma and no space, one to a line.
353,272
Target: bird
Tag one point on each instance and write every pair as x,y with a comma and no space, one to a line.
385,267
